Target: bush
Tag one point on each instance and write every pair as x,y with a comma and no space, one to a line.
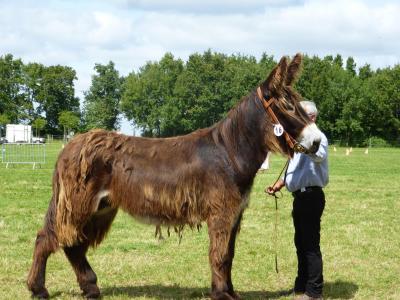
377,142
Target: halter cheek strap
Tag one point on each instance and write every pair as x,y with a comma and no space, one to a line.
292,143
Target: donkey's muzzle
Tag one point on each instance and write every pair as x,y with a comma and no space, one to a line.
301,149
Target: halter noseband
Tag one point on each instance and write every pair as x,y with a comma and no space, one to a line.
292,143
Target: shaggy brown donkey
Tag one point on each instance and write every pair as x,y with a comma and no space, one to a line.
205,176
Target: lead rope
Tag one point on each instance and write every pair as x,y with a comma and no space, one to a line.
276,234
277,215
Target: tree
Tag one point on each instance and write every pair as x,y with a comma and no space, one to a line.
331,88
338,60
329,59
351,65
149,97
4,120
39,124
365,72
13,101
33,75
381,105
169,97
212,83
52,90
201,90
69,120
103,98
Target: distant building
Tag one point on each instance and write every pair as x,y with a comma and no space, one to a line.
18,133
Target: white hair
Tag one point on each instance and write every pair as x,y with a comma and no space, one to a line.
309,107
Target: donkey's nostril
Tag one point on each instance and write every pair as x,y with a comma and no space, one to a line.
315,146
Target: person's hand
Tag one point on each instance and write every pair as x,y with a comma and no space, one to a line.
271,190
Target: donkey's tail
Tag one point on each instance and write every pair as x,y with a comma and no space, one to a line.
69,214
67,233
74,194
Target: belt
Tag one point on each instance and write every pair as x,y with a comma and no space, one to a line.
306,189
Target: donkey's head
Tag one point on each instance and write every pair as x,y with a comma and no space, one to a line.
289,127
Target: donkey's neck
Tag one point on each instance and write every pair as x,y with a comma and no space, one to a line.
242,135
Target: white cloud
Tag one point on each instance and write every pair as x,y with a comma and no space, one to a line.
205,6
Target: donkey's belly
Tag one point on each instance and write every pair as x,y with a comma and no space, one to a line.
164,206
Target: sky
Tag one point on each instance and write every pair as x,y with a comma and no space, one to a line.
82,33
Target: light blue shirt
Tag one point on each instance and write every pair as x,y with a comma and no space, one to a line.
306,170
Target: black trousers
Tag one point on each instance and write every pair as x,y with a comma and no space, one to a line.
307,211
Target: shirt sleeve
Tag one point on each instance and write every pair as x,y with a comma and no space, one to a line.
322,152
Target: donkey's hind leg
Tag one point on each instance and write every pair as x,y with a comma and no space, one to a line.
45,244
94,231
86,277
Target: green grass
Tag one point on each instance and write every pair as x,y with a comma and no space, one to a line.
360,239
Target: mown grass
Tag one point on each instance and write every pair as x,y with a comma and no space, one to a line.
360,239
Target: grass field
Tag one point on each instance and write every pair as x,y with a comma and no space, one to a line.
360,239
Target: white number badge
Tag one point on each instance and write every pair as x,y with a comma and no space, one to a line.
278,129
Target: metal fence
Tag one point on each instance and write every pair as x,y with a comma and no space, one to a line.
23,153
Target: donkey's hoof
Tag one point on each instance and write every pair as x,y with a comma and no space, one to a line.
222,296
40,293
91,292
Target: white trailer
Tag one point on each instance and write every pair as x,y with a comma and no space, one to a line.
18,133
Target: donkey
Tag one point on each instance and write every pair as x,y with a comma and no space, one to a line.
204,176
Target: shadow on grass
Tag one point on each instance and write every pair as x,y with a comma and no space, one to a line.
177,292
332,290
340,290
155,291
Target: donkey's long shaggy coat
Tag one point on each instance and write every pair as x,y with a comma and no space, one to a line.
202,176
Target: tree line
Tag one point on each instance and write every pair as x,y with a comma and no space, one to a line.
171,96
44,97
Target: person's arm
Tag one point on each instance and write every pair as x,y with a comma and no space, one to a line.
276,187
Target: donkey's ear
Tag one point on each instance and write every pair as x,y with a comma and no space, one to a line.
293,69
274,83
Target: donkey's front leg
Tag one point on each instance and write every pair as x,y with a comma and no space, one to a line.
222,229
231,254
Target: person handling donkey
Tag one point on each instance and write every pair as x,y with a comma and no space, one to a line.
305,177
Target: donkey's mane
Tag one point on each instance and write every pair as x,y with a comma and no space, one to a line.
244,132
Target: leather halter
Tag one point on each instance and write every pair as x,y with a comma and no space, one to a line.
292,143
